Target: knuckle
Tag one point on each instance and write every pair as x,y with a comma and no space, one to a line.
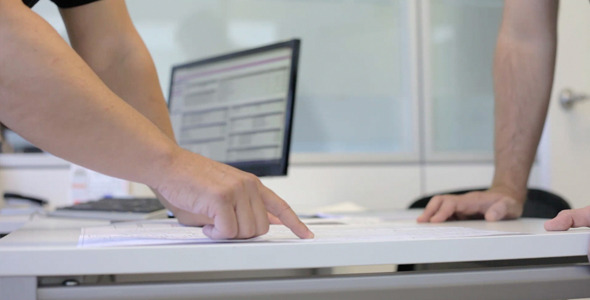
447,198
234,183
248,232
435,200
251,178
450,204
222,193
250,181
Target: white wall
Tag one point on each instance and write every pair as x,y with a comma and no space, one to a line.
371,186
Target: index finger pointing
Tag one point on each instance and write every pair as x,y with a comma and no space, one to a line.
278,207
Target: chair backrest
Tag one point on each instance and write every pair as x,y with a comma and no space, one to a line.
543,204
539,204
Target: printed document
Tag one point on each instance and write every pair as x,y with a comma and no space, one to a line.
165,232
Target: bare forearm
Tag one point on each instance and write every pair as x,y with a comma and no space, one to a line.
51,97
523,76
135,81
103,35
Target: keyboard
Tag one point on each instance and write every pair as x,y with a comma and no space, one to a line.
136,205
116,209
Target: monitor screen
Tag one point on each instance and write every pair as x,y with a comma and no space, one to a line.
238,108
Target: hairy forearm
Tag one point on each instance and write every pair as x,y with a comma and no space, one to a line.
52,98
135,81
523,76
103,35
132,76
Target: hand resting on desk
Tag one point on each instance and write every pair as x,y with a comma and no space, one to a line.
570,218
493,205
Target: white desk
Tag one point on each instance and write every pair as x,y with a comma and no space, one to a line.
35,260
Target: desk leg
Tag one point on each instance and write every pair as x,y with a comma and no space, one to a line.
18,288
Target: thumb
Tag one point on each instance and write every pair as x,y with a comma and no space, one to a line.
563,221
496,211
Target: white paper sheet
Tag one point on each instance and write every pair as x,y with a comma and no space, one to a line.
170,232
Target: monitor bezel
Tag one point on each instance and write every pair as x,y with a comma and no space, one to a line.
262,168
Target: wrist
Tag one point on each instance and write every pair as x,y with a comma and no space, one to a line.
517,193
165,166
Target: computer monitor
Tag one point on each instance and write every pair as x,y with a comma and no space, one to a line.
237,108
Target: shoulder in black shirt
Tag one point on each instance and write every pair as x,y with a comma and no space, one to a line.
61,3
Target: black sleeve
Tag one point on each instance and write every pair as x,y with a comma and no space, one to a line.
30,3
71,3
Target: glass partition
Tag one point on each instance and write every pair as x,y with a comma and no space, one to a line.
460,38
354,83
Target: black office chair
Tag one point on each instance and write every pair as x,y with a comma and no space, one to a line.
539,204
